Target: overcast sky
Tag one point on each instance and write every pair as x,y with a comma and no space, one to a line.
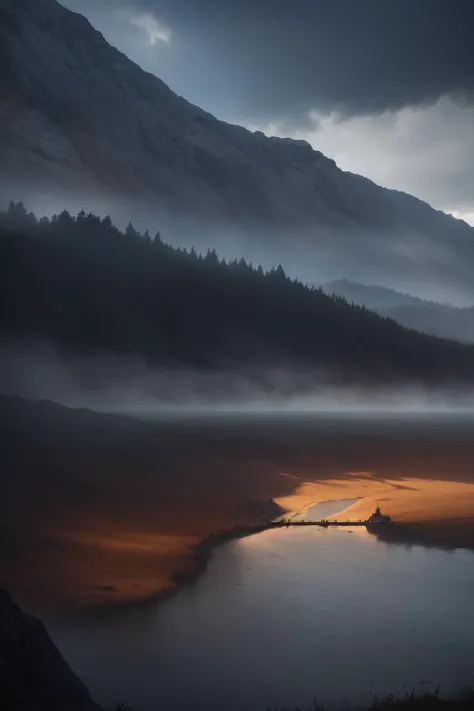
385,87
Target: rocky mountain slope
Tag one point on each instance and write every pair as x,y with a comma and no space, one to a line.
428,316
77,117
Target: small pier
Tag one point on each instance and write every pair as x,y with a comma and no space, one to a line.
376,519
323,523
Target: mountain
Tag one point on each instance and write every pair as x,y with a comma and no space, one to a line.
79,122
91,289
427,316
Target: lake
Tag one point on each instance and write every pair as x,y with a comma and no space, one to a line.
285,616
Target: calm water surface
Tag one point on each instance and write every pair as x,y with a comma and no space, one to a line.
285,616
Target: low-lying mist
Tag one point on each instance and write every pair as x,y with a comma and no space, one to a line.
128,385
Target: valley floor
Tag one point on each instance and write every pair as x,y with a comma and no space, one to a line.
102,509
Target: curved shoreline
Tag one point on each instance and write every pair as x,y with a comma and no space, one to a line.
200,557
393,533
201,553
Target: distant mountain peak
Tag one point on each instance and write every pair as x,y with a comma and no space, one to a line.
428,316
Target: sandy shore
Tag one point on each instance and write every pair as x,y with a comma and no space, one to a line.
99,509
437,512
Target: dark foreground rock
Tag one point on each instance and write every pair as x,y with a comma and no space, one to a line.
33,674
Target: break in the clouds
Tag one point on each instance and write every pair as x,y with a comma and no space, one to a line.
425,150
386,87
154,31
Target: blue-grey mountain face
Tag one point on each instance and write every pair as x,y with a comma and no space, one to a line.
78,118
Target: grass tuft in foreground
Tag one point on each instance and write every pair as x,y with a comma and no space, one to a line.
413,701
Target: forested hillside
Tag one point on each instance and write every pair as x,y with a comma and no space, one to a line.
91,288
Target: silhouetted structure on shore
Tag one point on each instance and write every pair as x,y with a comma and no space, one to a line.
375,520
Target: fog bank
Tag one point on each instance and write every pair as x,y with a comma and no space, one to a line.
128,385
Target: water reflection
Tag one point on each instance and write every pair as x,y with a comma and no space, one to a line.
284,616
433,511
99,509
324,509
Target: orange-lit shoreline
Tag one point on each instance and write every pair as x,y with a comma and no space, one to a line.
407,500
439,511
105,510
133,568
442,512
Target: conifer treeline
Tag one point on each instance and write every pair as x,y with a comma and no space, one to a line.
92,288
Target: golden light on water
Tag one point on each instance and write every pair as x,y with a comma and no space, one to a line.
106,562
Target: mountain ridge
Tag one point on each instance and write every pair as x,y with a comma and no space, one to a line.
373,296
443,320
78,118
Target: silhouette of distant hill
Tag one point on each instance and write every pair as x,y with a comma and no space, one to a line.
373,297
428,316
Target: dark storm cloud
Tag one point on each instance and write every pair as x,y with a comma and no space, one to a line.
283,58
